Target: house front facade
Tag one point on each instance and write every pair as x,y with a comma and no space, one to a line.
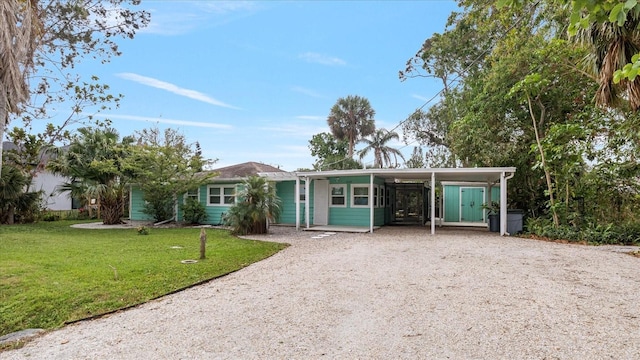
363,200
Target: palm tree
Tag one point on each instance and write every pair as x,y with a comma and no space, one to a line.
19,32
95,164
258,205
612,47
14,199
381,152
351,119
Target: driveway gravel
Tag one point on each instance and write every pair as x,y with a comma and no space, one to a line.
397,293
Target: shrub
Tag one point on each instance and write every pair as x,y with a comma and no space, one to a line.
598,234
194,212
258,205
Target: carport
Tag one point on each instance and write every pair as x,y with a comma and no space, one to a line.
491,176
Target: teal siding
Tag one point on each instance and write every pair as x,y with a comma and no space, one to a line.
452,200
137,206
349,216
286,191
215,213
355,216
451,203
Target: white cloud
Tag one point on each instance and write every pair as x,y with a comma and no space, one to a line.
166,121
293,130
306,91
421,98
311,117
181,17
322,59
163,85
225,7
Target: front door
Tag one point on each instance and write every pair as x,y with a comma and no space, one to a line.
321,202
471,199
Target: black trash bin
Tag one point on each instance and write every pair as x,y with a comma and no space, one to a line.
494,222
514,221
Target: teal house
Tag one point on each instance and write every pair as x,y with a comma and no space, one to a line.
363,200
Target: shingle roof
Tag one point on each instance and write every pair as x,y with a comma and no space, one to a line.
244,170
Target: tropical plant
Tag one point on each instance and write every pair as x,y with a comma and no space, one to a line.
258,205
15,201
612,46
20,29
382,154
350,119
95,163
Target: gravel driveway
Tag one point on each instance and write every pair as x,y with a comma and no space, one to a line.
396,293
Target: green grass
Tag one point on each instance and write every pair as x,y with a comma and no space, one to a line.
51,273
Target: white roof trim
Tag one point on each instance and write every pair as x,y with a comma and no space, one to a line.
477,174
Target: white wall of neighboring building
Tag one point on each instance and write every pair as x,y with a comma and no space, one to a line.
51,199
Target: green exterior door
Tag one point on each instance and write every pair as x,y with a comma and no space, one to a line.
471,200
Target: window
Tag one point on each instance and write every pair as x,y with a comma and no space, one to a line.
302,191
381,196
221,195
375,196
192,194
388,198
360,196
338,196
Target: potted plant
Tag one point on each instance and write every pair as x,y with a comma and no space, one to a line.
493,210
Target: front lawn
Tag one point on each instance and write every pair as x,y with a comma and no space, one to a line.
51,273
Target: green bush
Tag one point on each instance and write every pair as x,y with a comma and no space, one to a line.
50,216
194,212
258,205
598,234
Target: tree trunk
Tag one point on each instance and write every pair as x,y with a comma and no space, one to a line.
11,212
111,211
547,173
4,119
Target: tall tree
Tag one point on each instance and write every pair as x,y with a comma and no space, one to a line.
96,162
612,46
44,40
351,119
20,31
165,166
331,153
383,155
416,160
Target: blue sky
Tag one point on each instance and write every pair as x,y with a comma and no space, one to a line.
254,81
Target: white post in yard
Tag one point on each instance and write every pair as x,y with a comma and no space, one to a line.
433,203
503,205
371,208
297,202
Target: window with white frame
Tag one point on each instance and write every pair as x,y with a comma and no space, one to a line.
381,193
359,195
302,191
338,196
192,194
375,196
221,195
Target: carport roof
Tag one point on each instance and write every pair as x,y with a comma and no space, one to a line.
480,174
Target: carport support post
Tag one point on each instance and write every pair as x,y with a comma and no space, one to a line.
371,208
306,200
297,202
433,203
503,205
